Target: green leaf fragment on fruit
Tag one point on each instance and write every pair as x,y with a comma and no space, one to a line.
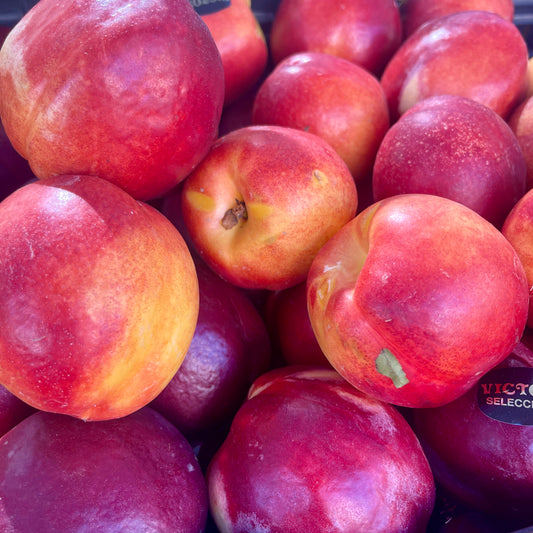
389,366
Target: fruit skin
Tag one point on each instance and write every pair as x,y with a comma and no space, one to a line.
521,123
417,297
365,33
453,147
518,230
463,53
417,12
229,349
290,329
530,77
294,192
242,46
484,463
331,97
129,92
308,452
136,473
99,298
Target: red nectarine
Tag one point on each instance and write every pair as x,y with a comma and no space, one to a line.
131,92
263,201
416,298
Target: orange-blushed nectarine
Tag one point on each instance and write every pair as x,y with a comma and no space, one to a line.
98,298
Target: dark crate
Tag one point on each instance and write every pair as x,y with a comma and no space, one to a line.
12,10
523,18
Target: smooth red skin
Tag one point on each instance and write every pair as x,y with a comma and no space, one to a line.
483,463
429,280
136,473
242,46
290,327
331,97
12,410
14,169
463,53
417,12
361,31
308,452
293,177
79,97
99,298
454,147
521,123
229,350
518,230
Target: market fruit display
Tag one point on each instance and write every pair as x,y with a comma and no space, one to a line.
265,266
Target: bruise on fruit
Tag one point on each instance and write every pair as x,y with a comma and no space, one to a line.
387,365
232,216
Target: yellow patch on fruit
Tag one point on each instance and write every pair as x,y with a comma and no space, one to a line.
410,94
200,200
319,178
324,291
258,210
271,239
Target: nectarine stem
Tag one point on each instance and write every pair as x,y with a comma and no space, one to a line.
232,216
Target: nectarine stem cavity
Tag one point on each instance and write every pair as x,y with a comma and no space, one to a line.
232,216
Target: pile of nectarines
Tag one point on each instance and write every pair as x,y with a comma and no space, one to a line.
266,275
